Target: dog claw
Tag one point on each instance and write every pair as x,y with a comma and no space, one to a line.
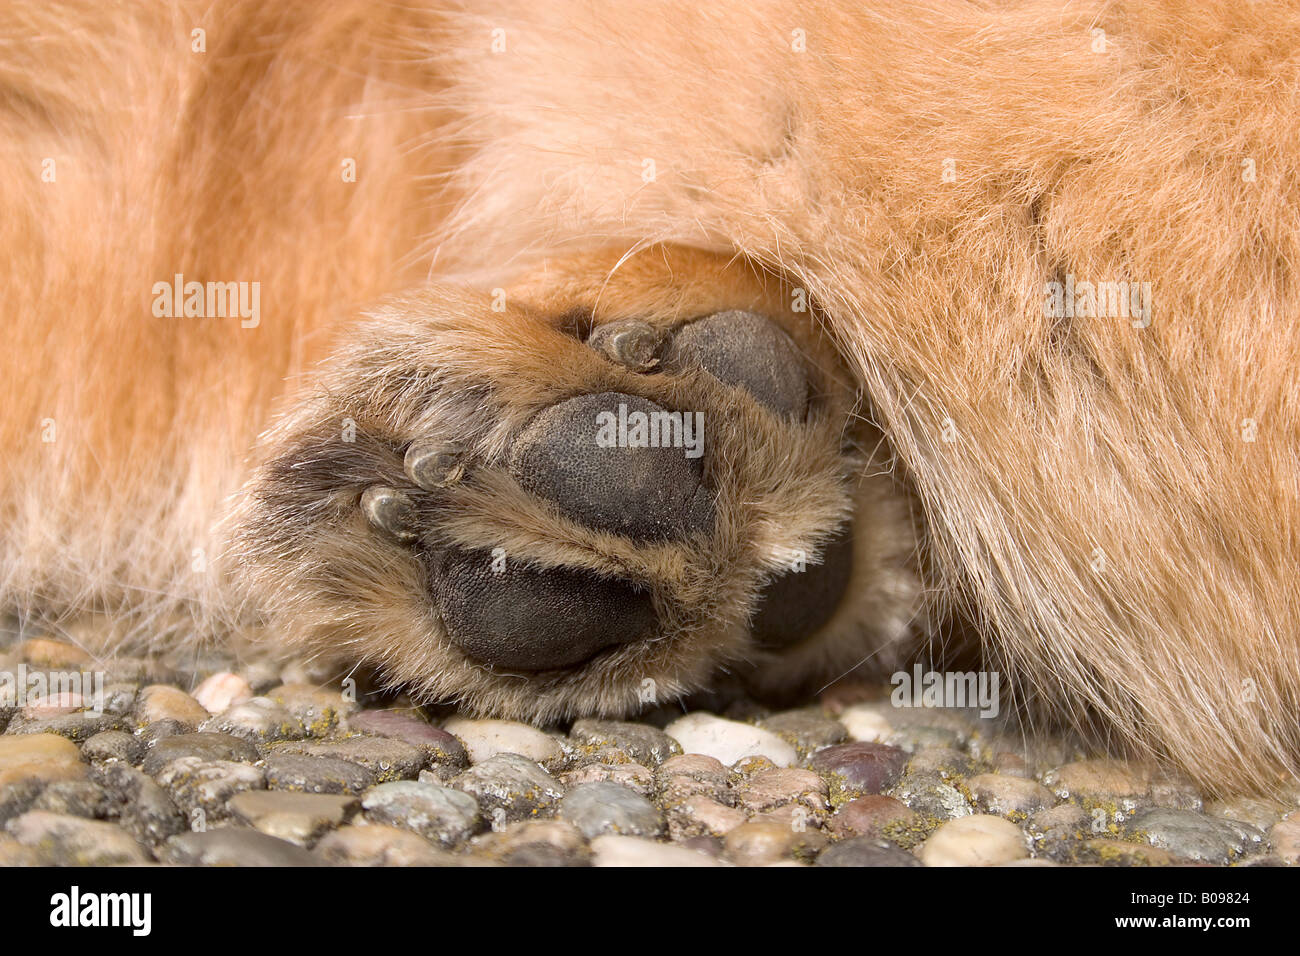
434,464
390,510
629,342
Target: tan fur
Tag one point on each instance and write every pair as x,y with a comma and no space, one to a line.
823,169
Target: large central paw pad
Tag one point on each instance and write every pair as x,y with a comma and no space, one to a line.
619,463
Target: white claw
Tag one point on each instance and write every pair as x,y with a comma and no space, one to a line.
390,511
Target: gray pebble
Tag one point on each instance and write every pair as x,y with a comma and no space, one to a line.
642,743
201,788
866,851
113,745
440,814
388,759
231,846
1193,835
515,785
808,729
258,719
142,807
931,796
78,726
77,798
63,840
206,746
599,808
286,771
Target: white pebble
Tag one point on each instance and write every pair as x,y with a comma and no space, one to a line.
866,723
222,691
976,840
611,850
729,740
487,738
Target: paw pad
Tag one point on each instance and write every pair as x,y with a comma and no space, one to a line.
533,619
619,463
748,351
592,457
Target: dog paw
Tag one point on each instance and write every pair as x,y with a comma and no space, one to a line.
553,514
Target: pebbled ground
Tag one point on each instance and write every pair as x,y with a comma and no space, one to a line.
206,761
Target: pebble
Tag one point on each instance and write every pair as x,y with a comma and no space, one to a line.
378,845
700,815
976,840
1009,796
1258,813
318,709
513,784
54,705
806,730
120,699
299,818
1284,838
642,744
729,741
956,724
873,815
201,788
778,787
78,798
484,739
445,752
161,702
758,843
387,758
258,719
54,654
535,843
1100,781
866,851
634,776
222,691
943,761
113,745
600,808
691,774
439,814
866,723
150,734
611,850
231,846
62,840
78,726
858,768
39,758
316,774
931,795
1010,764
207,746
1193,835
143,808
1108,852
13,853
